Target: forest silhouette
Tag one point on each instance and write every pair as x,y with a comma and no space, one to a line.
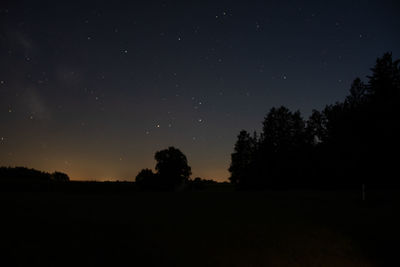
346,144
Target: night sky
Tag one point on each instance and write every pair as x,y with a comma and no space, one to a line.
95,88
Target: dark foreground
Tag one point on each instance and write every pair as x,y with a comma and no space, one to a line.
200,229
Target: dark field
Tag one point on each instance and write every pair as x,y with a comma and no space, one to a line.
286,228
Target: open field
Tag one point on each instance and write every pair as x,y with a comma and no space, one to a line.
200,229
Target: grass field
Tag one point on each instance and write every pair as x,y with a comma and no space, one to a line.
200,229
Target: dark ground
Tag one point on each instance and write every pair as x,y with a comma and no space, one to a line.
285,228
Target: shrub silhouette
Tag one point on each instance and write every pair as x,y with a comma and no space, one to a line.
146,179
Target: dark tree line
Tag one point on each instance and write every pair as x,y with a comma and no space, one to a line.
348,143
22,174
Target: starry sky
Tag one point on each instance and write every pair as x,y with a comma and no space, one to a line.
95,88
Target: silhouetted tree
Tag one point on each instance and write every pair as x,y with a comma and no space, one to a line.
283,130
146,179
172,167
143,175
384,83
316,131
59,177
283,140
242,158
358,94
383,117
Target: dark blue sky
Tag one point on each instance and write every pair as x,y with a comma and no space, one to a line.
95,88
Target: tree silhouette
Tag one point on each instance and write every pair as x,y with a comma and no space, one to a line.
384,124
283,130
281,145
146,179
384,83
144,175
315,130
59,177
358,94
242,158
172,167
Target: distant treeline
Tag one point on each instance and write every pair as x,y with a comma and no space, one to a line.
23,174
24,179
346,144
